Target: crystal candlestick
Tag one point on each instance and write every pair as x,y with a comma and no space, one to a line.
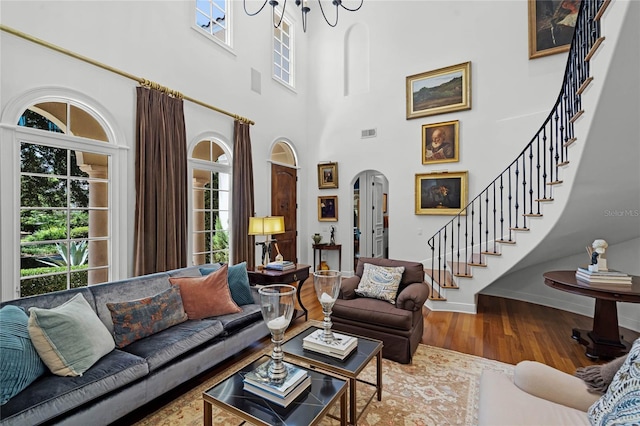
327,285
277,305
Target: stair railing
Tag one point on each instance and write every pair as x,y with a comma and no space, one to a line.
505,205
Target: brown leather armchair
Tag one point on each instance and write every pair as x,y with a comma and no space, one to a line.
399,326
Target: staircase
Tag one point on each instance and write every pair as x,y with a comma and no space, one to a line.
518,209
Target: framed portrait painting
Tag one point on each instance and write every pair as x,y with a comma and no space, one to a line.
327,175
551,26
442,193
440,142
328,208
439,91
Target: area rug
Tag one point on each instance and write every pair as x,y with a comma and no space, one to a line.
440,387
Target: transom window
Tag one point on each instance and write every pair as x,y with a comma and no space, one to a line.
212,17
211,202
282,48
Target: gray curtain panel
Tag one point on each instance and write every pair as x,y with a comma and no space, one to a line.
242,202
160,235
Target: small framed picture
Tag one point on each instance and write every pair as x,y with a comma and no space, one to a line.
328,208
442,193
439,91
440,142
327,175
551,26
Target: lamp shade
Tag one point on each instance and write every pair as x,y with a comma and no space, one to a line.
269,225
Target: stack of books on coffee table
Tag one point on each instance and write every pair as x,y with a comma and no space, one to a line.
341,347
603,277
257,382
285,265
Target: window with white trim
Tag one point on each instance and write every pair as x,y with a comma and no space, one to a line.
212,17
282,51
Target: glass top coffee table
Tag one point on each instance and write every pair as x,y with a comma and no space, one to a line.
307,409
348,368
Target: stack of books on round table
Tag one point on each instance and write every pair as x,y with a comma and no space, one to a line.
340,348
257,382
603,277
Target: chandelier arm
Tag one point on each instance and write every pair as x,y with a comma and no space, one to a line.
325,16
351,10
284,7
244,3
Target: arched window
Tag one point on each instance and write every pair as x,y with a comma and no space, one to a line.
211,165
64,199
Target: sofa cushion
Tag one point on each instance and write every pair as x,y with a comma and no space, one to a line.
206,296
620,404
373,312
51,395
380,282
69,338
20,363
413,271
250,314
166,345
140,318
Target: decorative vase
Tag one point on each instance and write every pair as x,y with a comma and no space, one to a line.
327,286
277,305
316,238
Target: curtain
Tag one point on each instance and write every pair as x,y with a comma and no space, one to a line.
160,234
242,200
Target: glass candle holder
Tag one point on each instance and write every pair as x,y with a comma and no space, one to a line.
277,305
327,285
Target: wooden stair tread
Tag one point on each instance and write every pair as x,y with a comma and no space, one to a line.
532,215
564,163
601,10
543,200
435,276
506,241
569,142
593,49
491,253
435,294
519,229
555,182
576,116
584,85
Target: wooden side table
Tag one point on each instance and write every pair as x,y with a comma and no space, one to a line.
320,247
269,276
604,340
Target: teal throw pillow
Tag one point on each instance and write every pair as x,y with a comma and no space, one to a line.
620,405
69,338
238,280
208,270
20,363
136,319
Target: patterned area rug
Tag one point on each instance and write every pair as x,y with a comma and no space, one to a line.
440,387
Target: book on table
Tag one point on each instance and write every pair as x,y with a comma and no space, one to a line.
282,401
603,277
281,266
258,383
341,347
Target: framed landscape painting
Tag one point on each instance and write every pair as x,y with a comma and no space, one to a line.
440,142
439,91
551,26
442,193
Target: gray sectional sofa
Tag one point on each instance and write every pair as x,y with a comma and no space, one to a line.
128,378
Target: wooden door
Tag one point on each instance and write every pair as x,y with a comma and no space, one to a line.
284,203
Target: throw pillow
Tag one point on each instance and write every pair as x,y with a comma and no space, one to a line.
136,319
69,338
619,405
20,363
207,296
380,282
238,279
598,377
207,271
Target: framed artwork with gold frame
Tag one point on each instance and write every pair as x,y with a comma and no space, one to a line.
440,142
439,91
551,26
441,193
327,175
328,208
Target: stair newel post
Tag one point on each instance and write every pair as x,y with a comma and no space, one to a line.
495,225
467,257
466,239
444,245
458,247
531,180
524,190
515,195
501,206
538,172
486,216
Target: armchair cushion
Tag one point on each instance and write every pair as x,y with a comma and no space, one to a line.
380,282
373,312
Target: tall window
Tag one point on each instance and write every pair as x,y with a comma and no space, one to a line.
211,203
212,17
282,48
64,202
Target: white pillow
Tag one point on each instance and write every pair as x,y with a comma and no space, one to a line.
380,282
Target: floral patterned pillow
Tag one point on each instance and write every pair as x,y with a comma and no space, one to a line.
621,403
380,282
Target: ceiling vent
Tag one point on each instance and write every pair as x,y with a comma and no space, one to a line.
369,133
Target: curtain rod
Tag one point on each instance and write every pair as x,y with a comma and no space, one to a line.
141,81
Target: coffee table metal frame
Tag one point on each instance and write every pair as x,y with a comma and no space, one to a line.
349,368
229,396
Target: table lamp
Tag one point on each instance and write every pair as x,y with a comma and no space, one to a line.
266,226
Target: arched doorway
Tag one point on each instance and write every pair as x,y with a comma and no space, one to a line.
284,199
370,192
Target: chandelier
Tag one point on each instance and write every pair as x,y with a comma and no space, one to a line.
304,9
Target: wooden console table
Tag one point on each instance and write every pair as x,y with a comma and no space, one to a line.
320,247
269,276
604,340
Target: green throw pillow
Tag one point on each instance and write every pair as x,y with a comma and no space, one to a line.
20,363
69,338
380,282
238,280
136,319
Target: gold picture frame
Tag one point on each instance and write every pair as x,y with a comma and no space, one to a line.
328,208
441,142
551,26
327,175
441,193
439,91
